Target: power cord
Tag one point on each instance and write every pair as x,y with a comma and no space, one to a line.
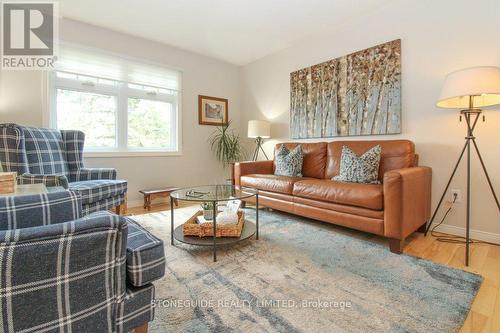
445,238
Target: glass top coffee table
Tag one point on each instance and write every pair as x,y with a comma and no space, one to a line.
214,194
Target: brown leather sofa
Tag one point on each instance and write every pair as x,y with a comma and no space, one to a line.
394,209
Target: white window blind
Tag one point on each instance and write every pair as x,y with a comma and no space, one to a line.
104,65
122,105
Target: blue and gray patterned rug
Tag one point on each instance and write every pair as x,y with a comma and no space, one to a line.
304,276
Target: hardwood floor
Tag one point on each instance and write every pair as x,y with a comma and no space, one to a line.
157,208
485,260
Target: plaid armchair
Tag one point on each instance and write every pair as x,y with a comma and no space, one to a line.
55,158
63,273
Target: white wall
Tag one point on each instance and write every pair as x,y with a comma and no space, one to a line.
437,37
22,101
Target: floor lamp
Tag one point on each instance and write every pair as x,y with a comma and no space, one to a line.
258,130
469,89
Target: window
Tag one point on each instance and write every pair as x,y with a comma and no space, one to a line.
93,113
149,123
122,106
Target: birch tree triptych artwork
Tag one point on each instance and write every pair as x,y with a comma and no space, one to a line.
357,94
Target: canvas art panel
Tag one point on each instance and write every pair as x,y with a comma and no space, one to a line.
212,110
357,94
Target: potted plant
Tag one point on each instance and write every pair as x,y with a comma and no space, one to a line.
226,145
208,210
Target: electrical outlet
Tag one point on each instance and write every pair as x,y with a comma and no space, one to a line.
458,193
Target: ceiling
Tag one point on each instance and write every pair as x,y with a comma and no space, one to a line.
235,31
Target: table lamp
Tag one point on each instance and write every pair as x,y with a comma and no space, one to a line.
469,89
259,129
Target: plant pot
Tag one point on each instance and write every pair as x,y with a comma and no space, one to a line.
208,214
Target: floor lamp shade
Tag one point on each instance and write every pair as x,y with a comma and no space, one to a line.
259,129
471,88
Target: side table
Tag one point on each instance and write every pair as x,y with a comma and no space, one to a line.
157,193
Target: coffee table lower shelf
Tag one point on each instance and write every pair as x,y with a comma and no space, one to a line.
248,231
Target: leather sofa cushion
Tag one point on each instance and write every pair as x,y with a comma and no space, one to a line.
279,201
396,154
358,222
361,195
348,209
277,196
314,162
271,183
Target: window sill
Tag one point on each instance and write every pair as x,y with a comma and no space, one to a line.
108,154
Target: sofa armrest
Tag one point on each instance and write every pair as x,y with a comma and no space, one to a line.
93,174
48,180
26,211
407,200
251,167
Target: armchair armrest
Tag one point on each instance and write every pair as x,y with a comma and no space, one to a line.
248,168
48,180
145,256
407,200
17,212
145,253
49,261
92,174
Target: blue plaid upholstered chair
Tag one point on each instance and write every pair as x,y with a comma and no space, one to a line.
53,157
63,273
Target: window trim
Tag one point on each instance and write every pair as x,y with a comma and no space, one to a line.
50,87
130,153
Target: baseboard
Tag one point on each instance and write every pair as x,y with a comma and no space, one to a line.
135,203
140,202
474,234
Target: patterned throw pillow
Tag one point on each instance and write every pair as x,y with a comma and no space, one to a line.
289,163
359,169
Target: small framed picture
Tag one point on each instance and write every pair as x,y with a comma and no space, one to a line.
212,111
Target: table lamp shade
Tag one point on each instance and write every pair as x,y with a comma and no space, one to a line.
480,83
259,128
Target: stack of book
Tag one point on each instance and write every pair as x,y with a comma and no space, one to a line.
7,182
200,220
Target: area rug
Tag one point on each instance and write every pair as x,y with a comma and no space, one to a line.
303,276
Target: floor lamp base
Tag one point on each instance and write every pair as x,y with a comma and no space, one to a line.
258,148
471,117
